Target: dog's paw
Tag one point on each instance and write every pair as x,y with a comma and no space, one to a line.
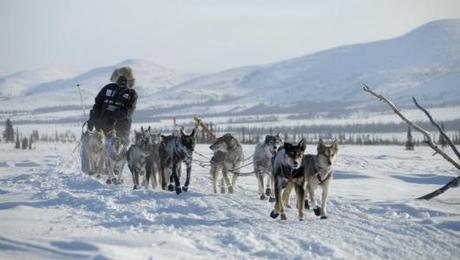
230,189
301,218
135,187
283,216
307,205
317,211
268,192
108,181
185,188
262,197
274,215
178,190
171,187
288,206
271,199
323,217
222,190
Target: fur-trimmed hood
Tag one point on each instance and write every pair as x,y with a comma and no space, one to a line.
127,72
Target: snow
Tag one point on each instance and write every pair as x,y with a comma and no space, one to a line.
50,210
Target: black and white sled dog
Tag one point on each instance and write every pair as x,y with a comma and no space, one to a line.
228,157
153,161
319,171
174,150
262,159
116,159
288,169
137,156
96,152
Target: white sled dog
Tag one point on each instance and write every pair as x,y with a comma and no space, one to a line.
116,160
228,157
96,152
262,159
319,170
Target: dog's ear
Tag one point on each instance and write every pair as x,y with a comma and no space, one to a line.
266,138
335,145
321,147
193,132
302,144
148,129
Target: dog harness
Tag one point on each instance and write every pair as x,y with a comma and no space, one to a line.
318,176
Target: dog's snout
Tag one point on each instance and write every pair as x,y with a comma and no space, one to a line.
296,164
329,162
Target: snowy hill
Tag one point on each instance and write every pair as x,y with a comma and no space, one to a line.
424,62
62,94
20,82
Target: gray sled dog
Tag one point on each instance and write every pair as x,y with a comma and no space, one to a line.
288,169
96,152
116,160
262,159
173,151
137,157
153,161
319,170
228,157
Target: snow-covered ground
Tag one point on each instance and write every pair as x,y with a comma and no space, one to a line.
48,209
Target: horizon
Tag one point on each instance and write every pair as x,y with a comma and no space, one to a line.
207,35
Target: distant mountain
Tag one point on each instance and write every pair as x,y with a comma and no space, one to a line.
424,63
150,78
17,83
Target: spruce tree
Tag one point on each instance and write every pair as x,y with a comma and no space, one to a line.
18,142
8,133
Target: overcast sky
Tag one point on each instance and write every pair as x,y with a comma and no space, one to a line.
196,35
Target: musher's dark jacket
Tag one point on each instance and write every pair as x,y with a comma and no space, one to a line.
113,108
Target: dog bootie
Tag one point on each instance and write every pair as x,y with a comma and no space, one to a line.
171,187
185,188
323,217
317,211
178,190
262,197
274,215
108,181
230,189
271,199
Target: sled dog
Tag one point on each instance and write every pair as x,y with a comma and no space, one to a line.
228,157
137,157
319,171
96,152
288,168
153,161
262,159
174,150
116,160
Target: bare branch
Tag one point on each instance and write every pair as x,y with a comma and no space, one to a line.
428,140
451,184
441,131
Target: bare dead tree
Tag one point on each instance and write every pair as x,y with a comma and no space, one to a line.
428,139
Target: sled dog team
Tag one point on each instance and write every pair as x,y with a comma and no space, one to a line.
279,167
